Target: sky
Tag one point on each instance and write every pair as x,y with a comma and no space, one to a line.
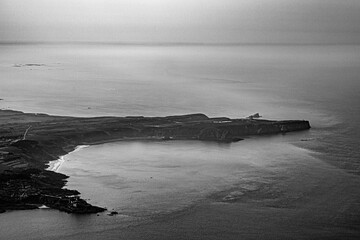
188,21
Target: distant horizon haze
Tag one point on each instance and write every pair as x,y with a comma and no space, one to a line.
181,22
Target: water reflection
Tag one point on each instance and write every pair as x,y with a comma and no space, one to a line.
142,178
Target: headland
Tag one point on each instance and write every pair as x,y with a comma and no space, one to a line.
28,142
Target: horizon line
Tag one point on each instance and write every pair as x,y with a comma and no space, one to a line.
166,43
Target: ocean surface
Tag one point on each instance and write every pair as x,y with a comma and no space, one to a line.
301,185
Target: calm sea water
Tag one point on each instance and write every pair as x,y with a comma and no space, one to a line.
314,172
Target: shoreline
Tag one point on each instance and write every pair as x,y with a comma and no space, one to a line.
33,157
55,165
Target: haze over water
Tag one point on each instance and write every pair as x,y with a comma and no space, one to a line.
303,64
304,184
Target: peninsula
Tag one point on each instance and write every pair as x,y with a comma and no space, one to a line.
28,142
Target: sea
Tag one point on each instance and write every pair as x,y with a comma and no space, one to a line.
302,185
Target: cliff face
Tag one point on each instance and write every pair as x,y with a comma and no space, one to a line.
30,141
230,131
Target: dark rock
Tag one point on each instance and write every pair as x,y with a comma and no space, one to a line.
113,213
256,115
31,187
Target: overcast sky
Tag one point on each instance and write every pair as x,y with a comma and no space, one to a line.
219,21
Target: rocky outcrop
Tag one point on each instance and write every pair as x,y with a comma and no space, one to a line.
30,188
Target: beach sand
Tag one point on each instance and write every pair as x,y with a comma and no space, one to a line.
56,164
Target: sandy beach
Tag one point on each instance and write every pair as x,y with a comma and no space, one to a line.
56,164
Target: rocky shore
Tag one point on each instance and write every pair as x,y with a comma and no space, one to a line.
31,188
28,142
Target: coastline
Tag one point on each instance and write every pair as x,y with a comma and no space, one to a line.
30,174
56,164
